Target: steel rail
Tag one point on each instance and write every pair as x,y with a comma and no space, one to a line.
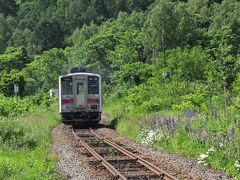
107,165
145,163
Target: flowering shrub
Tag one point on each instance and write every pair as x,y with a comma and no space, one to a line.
147,137
204,158
190,129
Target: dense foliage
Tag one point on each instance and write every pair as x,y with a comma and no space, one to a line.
155,56
189,42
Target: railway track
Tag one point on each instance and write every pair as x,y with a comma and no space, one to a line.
120,162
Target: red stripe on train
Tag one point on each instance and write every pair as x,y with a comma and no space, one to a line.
67,101
93,101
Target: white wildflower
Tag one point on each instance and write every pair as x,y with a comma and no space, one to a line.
203,159
203,156
237,165
211,149
150,137
147,137
220,144
200,162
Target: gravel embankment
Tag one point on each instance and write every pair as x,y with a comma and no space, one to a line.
75,163
178,166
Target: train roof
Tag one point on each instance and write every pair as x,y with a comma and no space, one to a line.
80,73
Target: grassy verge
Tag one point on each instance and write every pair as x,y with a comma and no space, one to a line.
212,139
25,145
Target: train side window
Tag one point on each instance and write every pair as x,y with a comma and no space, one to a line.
80,88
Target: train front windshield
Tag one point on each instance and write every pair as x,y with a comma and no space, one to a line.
93,85
67,85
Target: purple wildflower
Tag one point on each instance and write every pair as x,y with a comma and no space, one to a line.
232,135
168,121
24,148
227,137
190,114
214,115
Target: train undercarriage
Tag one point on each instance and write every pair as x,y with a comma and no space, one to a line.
81,118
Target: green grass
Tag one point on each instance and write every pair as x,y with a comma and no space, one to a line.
37,162
132,123
34,164
122,121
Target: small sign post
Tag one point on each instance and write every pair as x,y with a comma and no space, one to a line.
16,90
164,74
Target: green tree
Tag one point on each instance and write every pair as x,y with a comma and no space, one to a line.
80,35
132,74
139,4
4,36
188,64
7,25
42,73
223,49
48,34
161,26
8,7
7,81
111,47
14,58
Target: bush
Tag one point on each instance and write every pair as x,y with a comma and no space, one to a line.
9,106
12,132
6,169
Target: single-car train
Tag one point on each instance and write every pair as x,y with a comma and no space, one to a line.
80,97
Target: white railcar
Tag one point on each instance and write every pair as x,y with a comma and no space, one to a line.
80,98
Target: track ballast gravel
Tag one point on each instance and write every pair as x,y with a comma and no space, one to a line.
76,163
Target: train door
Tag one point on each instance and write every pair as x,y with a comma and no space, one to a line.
80,93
